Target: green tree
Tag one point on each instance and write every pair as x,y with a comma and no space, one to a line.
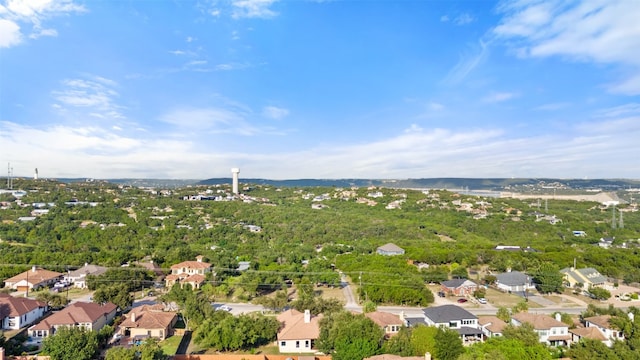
548,278
600,293
400,344
522,306
504,314
51,299
505,349
523,333
423,339
369,306
587,349
448,344
150,350
117,294
71,344
347,336
120,353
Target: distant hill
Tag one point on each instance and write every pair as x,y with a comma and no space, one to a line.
495,184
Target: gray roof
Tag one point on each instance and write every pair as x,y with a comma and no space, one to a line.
391,248
465,330
411,322
447,313
456,283
591,274
88,269
513,278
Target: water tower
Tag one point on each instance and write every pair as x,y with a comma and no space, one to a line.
234,173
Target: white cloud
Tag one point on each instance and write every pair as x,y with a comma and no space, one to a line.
232,66
435,106
467,63
95,95
274,112
33,12
213,120
9,33
589,149
253,9
464,19
499,97
600,31
553,106
444,18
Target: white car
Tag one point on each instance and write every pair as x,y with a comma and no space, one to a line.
482,301
225,308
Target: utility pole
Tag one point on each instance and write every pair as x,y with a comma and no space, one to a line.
613,217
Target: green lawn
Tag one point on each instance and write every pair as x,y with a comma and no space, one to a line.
170,345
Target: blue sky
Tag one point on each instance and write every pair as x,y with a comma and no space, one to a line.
320,89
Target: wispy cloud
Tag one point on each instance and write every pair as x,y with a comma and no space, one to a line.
253,9
461,19
274,112
604,32
14,13
552,106
93,94
474,56
592,149
496,97
464,19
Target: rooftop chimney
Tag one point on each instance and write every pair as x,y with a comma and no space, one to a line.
199,258
307,316
427,356
558,317
631,316
33,268
133,316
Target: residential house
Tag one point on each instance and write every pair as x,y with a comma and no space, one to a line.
148,321
390,250
188,272
459,287
550,331
455,318
514,282
299,331
79,277
88,316
397,357
18,312
152,266
598,328
491,326
606,242
588,277
390,323
32,279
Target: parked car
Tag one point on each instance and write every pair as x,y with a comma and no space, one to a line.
462,300
225,308
482,300
441,294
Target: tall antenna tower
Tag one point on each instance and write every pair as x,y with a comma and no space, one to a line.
8,175
546,205
613,217
620,222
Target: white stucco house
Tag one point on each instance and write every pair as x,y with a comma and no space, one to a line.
298,332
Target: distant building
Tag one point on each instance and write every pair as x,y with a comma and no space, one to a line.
32,279
299,331
18,312
390,250
88,316
514,281
459,287
390,323
188,272
588,277
79,277
550,331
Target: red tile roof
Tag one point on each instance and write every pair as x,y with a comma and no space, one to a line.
76,313
294,327
191,265
148,317
17,306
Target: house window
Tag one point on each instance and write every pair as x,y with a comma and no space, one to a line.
306,344
453,324
283,343
297,344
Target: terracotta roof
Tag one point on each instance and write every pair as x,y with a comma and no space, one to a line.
15,306
539,321
492,323
559,337
35,276
76,313
191,265
294,327
384,319
601,320
195,278
88,269
147,317
589,333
